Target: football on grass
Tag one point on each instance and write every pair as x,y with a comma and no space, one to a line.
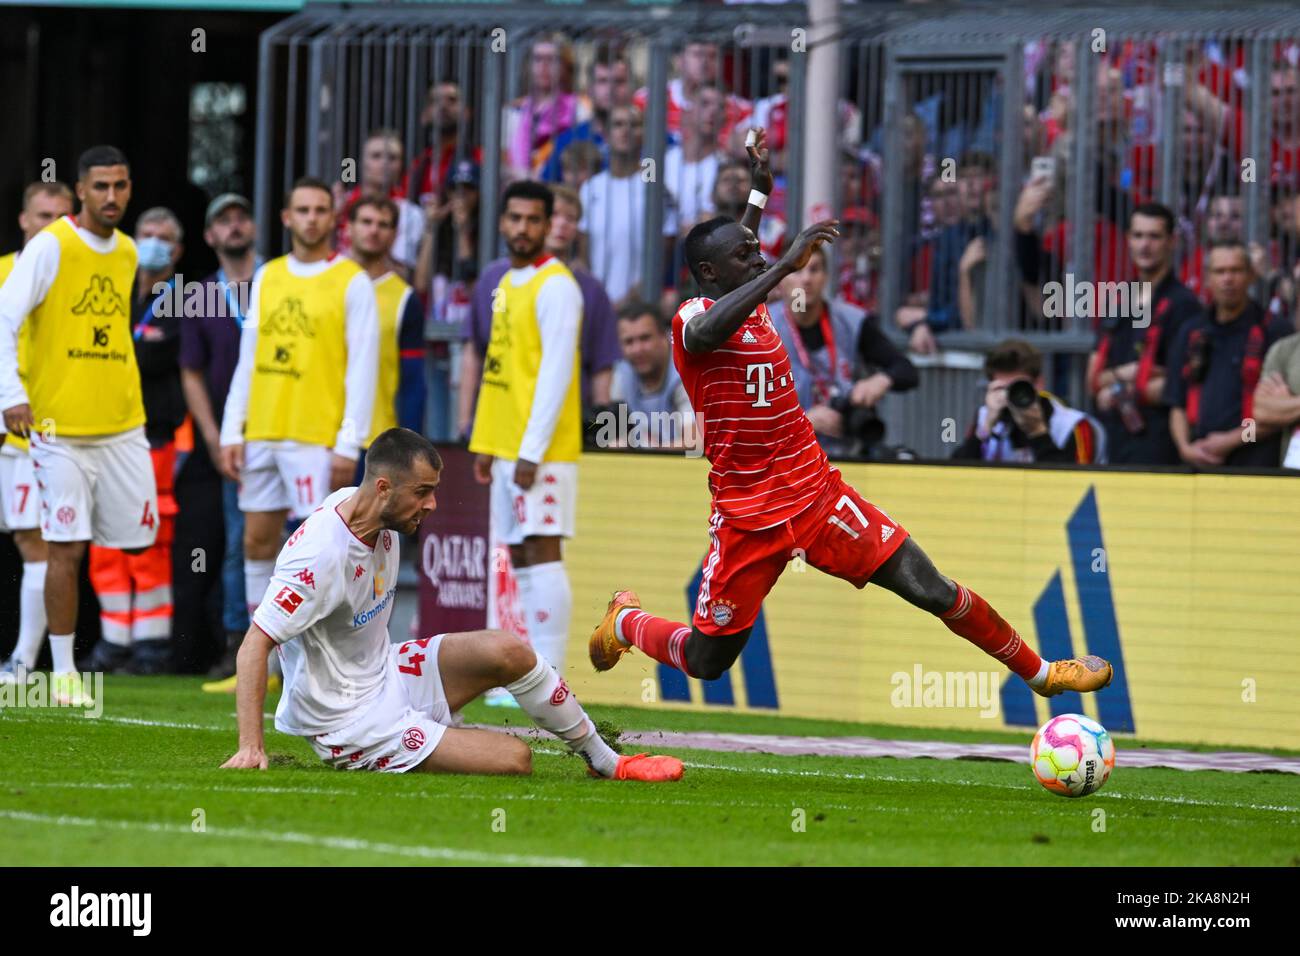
1072,755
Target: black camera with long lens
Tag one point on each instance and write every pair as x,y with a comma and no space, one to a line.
860,422
1021,393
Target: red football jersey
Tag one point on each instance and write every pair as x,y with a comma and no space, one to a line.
767,464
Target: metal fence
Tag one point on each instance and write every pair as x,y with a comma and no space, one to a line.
988,157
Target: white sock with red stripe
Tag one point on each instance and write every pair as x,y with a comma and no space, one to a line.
547,603
31,621
546,698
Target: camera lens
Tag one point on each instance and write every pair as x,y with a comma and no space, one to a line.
1021,393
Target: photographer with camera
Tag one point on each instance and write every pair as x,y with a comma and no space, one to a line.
1020,422
843,364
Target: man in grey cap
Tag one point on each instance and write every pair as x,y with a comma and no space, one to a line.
209,353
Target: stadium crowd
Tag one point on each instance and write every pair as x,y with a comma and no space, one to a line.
1176,381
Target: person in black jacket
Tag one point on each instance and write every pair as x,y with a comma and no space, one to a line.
1127,370
135,591
1216,364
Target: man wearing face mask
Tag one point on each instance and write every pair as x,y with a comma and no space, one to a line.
135,591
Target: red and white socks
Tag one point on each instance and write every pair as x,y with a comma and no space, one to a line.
974,619
656,637
546,698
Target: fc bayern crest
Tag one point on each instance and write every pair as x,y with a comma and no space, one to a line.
722,612
413,738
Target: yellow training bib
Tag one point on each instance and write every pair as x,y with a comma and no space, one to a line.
7,264
298,386
81,373
514,357
390,296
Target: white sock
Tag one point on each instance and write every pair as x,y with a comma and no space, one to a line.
61,649
31,626
548,603
618,624
1039,679
257,578
547,699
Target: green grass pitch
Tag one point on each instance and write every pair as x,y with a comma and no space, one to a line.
124,791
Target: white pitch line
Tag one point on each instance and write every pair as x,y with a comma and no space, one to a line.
624,799
768,770
305,839
777,771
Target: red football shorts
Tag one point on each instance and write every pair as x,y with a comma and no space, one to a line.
840,533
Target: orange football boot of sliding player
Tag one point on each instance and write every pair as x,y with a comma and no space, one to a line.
649,768
604,647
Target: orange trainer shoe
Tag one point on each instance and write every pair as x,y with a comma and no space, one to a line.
604,647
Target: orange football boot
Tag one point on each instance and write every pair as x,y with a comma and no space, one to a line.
604,647
1084,674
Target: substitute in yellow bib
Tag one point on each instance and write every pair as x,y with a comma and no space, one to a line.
399,393
20,504
69,297
528,422
302,396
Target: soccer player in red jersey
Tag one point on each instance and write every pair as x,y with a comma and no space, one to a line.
774,492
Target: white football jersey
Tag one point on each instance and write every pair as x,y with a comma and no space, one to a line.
327,609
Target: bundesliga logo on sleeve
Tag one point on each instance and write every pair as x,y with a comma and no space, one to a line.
288,600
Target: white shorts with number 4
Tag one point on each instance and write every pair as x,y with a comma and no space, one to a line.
20,502
280,475
400,729
547,508
97,489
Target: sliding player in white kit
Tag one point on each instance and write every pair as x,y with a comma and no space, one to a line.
367,704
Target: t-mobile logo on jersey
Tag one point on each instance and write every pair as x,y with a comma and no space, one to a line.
765,384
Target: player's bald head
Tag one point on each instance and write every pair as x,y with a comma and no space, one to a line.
397,453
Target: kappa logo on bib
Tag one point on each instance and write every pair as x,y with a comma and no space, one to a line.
289,318
100,298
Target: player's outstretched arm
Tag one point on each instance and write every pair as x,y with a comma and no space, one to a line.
250,696
709,330
760,175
